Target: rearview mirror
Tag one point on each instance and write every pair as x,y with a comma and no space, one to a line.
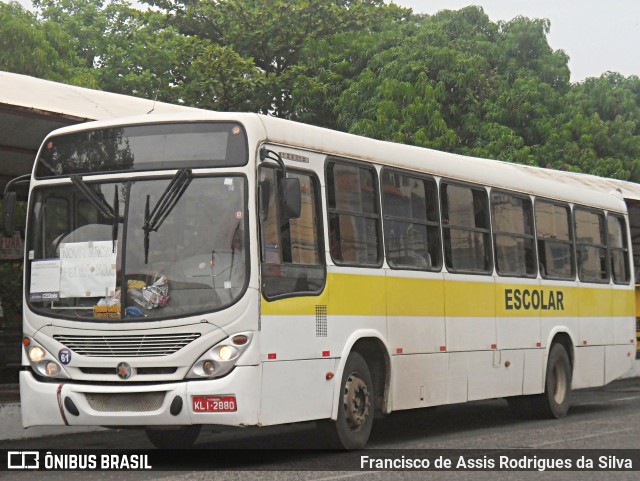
9,213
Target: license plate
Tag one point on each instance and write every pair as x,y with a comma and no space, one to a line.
214,404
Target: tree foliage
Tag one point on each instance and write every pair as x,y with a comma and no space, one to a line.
454,81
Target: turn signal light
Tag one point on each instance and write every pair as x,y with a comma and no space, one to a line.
240,340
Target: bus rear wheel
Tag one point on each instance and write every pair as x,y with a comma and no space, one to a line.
172,438
355,413
554,402
556,399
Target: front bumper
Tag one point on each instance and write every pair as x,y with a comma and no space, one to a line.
45,404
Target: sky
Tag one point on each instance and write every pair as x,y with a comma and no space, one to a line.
598,35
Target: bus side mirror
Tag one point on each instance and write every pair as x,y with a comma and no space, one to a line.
9,213
291,198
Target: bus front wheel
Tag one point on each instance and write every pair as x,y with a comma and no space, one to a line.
172,438
355,412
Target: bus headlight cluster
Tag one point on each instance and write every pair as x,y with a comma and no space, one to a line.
220,359
42,362
36,354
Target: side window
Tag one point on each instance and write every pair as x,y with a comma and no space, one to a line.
465,225
618,250
354,219
290,248
591,246
411,227
513,235
555,242
634,231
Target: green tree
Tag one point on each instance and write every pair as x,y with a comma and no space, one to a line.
273,34
41,49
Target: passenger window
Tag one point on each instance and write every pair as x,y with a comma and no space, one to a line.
465,224
411,227
354,219
513,235
618,251
290,248
555,242
591,248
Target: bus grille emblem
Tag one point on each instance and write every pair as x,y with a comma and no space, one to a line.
123,370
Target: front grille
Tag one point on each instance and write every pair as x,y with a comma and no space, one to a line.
142,371
138,402
127,346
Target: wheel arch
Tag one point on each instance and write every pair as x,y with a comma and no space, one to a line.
371,346
565,338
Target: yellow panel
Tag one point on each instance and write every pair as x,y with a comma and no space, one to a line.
357,295
469,299
361,295
415,297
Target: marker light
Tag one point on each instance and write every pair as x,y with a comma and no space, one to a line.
26,341
36,353
240,340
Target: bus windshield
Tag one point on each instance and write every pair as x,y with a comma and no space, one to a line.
140,249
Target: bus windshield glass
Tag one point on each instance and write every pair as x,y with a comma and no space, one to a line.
143,147
147,249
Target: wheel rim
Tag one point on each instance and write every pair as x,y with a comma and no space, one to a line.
356,401
559,383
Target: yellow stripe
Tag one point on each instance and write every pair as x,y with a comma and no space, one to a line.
359,295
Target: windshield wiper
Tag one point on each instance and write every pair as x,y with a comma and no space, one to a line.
111,213
97,200
167,201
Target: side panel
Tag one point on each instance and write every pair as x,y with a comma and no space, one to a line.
415,312
618,361
588,367
470,312
303,339
493,373
422,380
297,390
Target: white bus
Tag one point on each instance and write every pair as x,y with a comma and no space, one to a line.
242,270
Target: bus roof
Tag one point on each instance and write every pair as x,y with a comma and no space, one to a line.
582,189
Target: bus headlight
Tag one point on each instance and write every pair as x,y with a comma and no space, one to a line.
209,368
36,354
42,362
226,353
52,369
221,358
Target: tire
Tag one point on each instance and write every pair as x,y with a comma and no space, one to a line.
555,401
183,437
352,428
